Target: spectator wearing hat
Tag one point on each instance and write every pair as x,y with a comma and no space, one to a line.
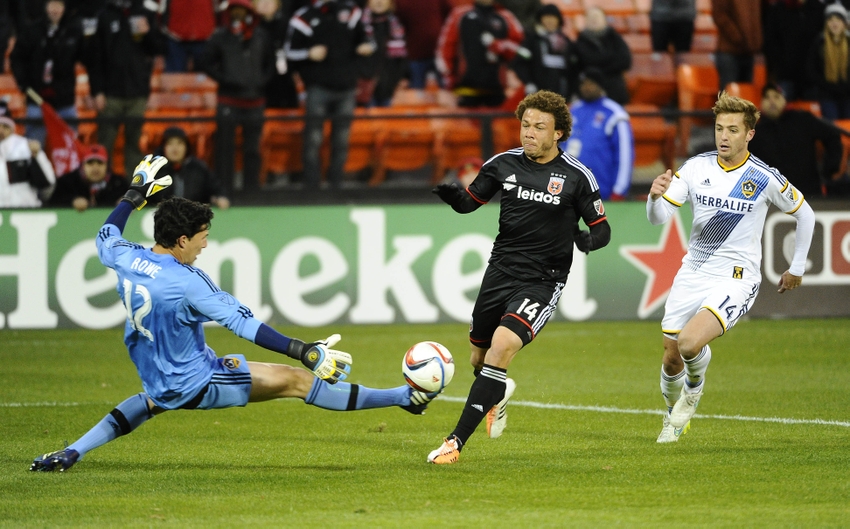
600,46
191,177
239,57
26,172
553,63
43,59
788,140
602,137
126,42
829,64
90,185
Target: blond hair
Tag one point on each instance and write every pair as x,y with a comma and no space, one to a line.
835,59
727,104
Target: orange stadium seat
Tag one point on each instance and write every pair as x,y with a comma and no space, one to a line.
613,7
185,82
456,137
697,86
652,79
704,23
282,142
638,42
655,138
404,141
568,8
638,23
361,142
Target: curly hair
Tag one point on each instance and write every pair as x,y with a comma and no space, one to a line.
178,216
551,103
727,104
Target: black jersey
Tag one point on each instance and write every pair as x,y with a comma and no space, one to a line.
540,208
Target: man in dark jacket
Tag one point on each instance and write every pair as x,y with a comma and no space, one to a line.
324,41
89,185
787,140
600,46
553,64
239,57
43,59
191,177
126,42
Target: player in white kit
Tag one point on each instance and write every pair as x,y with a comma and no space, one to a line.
730,191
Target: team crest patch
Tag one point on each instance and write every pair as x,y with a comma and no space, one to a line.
231,363
599,207
791,194
749,188
556,185
738,273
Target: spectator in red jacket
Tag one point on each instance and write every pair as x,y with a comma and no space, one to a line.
90,185
422,21
476,43
188,24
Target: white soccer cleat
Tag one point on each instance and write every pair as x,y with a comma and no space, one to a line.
685,408
669,433
448,453
497,417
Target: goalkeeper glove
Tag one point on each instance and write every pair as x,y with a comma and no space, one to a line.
583,240
145,182
326,363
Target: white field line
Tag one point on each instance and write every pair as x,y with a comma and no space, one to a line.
527,404
610,409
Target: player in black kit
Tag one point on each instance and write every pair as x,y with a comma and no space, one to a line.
544,193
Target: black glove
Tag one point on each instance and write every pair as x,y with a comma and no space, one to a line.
583,240
451,194
145,181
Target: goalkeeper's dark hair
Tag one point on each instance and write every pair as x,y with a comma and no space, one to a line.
178,216
551,103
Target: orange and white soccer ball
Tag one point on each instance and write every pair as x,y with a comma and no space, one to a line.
428,367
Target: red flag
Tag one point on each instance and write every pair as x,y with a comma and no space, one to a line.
64,148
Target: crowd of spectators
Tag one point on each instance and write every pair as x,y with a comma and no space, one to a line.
328,56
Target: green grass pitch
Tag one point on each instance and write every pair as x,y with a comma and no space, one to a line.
579,450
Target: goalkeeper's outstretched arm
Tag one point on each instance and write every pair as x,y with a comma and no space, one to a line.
144,184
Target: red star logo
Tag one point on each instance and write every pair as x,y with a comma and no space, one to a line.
659,262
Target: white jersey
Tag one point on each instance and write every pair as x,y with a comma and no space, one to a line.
20,194
729,206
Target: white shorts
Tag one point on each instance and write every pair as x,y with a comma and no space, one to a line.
727,299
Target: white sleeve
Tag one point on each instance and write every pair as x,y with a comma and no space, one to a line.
802,238
44,162
659,211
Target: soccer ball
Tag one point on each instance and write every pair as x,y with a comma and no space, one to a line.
428,367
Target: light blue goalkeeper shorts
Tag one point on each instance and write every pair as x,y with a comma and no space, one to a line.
230,385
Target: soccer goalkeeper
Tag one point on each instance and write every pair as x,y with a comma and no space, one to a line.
168,300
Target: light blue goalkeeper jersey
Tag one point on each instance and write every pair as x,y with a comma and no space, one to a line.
167,303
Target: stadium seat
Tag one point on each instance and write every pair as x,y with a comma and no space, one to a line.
655,138
652,79
704,6
613,7
361,141
412,97
456,137
704,23
638,42
747,91
185,82
643,6
568,7
844,125
173,106
697,86
809,106
404,141
282,142
704,42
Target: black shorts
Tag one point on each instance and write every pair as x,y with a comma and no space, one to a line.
522,306
679,33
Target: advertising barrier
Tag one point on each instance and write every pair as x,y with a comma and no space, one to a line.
323,265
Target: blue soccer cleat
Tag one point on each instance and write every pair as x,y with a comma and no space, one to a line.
60,460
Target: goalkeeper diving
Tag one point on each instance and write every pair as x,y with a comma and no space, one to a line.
167,300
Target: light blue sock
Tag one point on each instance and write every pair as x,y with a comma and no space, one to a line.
122,420
343,396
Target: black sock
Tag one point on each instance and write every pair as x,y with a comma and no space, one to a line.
486,391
